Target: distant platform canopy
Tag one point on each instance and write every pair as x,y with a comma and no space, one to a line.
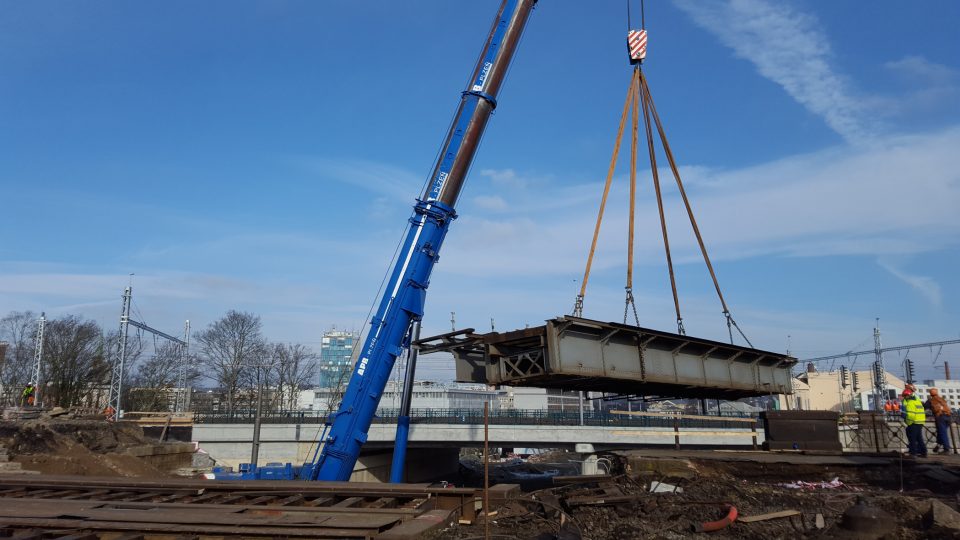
572,353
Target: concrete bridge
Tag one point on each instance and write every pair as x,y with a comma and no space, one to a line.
435,447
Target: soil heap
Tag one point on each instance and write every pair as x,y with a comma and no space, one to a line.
76,445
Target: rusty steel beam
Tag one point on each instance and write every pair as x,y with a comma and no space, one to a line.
573,353
104,508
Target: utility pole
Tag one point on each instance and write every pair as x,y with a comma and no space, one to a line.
181,403
38,358
879,378
255,449
453,321
116,376
580,404
841,385
119,369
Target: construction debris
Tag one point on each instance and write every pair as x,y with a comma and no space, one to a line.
720,524
942,518
869,521
771,515
779,496
833,484
661,487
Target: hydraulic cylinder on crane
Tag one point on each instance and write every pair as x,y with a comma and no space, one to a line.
403,298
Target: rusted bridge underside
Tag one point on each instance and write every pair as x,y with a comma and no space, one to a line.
582,354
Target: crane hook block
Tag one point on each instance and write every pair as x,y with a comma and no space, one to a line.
637,45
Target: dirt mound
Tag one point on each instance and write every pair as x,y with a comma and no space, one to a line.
99,435
92,447
30,438
623,506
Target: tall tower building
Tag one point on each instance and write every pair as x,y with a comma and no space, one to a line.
336,358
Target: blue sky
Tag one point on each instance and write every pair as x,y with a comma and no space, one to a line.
263,156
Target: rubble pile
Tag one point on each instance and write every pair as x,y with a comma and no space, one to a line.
683,498
74,443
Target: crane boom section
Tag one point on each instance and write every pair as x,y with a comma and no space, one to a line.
404,296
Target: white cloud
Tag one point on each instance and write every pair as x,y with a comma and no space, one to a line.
919,70
504,177
926,286
898,196
394,182
493,203
787,47
931,88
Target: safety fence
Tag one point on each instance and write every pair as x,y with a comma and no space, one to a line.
869,431
530,417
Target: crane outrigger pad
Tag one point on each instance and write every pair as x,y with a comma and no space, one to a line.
573,353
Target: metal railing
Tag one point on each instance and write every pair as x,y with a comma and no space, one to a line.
509,417
885,432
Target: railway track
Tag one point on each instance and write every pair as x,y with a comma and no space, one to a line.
99,508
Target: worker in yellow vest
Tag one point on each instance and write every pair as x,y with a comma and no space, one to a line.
915,416
28,395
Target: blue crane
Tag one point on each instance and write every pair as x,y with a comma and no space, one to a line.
401,306
405,293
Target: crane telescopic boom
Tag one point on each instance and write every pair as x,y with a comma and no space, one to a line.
403,298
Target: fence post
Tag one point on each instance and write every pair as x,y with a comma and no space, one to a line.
950,427
754,425
876,430
676,432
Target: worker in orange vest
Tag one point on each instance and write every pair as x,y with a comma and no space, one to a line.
941,415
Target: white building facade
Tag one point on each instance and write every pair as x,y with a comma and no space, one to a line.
949,389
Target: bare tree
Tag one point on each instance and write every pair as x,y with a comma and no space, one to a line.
19,330
155,379
228,348
331,393
295,366
258,378
73,355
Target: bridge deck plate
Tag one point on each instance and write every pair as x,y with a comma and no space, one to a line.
573,353
100,508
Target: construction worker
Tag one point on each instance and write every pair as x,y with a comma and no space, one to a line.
915,416
941,416
27,397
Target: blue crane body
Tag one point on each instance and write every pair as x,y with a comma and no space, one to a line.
403,298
